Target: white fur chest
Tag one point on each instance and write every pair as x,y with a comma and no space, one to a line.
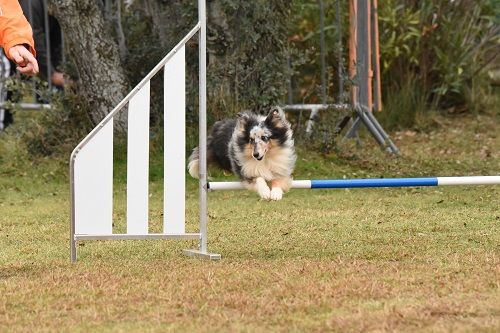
275,164
253,168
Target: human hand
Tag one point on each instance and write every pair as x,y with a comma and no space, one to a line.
26,62
57,79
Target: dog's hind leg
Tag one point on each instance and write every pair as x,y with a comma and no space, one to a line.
259,185
194,163
278,187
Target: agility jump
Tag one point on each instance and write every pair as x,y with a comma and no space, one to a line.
371,182
91,163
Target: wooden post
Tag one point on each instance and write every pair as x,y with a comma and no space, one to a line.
369,50
377,89
352,48
363,53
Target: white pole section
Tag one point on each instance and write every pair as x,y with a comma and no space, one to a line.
217,186
471,180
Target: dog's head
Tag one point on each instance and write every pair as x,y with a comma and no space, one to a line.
259,134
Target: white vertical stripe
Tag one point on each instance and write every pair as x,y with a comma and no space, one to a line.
174,144
138,162
94,184
471,180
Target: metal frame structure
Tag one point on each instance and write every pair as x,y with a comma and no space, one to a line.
316,108
28,106
364,30
360,66
93,157
202,252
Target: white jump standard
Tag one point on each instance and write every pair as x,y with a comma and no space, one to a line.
91,163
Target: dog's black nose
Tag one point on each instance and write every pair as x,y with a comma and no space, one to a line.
256,155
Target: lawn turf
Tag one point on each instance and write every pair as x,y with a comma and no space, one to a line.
400,259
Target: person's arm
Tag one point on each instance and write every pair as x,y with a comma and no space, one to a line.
16,37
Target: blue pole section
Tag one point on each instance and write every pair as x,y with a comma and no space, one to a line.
383,182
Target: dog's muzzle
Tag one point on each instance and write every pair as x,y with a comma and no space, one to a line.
257,157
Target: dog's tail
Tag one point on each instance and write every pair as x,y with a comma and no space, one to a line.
194,163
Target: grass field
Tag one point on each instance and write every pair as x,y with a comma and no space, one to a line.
407,259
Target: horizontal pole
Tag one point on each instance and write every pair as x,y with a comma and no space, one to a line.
137,237
298,107
372,182
26,106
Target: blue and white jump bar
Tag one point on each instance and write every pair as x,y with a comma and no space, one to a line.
372,182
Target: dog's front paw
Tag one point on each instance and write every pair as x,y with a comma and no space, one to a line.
276,193
262,189
264,192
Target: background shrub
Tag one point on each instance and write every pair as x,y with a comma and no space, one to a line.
435,55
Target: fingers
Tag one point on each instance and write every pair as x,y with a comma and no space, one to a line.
17,57
27,70
26,62
31,61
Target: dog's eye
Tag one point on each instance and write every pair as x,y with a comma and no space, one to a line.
252,140
264,138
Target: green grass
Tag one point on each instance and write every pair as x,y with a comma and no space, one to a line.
407,259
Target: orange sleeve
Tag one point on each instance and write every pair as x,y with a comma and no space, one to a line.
14,28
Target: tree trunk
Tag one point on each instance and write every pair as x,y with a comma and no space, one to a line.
102,80
113,15
160,20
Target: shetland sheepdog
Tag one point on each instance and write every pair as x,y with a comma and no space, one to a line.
259,149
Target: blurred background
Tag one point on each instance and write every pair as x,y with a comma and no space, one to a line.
436,57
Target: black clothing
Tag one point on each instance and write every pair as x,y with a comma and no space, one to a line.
35,13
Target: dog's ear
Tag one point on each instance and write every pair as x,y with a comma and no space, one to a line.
242,118
276,117
243,115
